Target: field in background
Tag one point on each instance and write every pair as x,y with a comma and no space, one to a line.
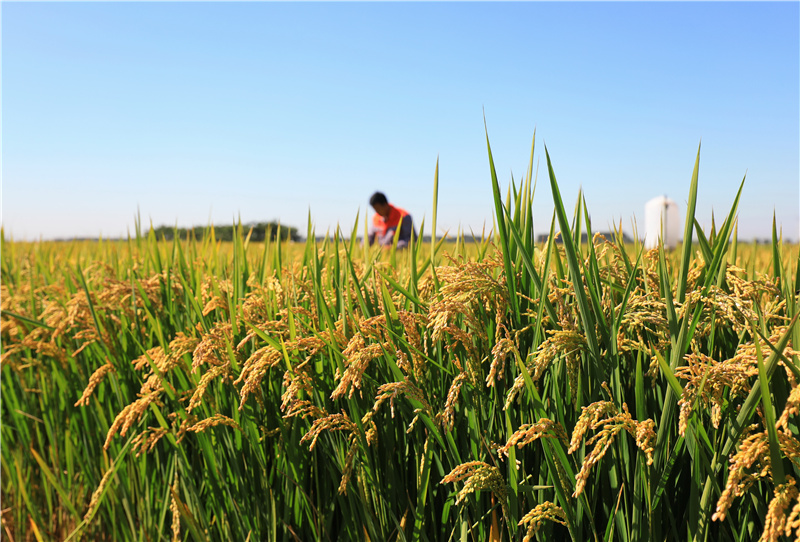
501,390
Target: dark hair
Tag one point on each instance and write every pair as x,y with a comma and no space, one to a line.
379,198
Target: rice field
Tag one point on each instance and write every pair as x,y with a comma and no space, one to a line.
493,390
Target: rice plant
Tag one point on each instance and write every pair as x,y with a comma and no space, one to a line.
494,390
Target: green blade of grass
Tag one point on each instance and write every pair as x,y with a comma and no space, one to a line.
576,278
687,232
776,461
501,230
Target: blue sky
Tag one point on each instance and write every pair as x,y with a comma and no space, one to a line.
195,112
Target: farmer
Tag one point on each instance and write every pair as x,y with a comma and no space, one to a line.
387,220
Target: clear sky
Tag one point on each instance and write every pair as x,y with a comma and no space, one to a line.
199,112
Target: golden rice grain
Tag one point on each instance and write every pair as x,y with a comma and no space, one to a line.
94,381
533,520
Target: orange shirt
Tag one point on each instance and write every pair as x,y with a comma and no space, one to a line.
383,225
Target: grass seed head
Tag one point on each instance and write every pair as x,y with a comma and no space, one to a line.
710,383
205,381
212,344
448,416
129,415
331,422
392,390
528,433
349,466
500,352
213,421
297,383
94,381
533,520
174,508
605,418
479,477
775,524
94,503
754,450
358,356
255,368
146,440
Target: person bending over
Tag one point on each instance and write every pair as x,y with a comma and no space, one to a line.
387,220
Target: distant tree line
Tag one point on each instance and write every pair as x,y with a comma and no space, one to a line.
260,232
